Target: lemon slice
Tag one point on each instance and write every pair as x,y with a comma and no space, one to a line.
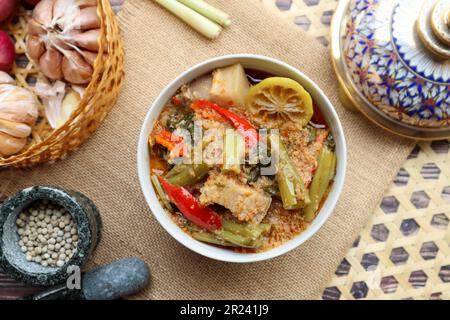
279,102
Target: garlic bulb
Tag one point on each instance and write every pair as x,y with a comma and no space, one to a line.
63,39
18,114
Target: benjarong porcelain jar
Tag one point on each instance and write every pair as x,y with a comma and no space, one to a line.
392,58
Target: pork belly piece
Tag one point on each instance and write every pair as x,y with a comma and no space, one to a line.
246,203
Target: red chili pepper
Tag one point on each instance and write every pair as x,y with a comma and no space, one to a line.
190,207
242,126
170,141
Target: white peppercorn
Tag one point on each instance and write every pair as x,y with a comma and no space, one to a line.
47,234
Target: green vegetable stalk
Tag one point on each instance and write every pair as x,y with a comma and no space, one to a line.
245,230
187,174
208,237
234,234
234,149
162,195
324,175
239,240
292,189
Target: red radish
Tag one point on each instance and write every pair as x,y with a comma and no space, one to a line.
7,52
6,8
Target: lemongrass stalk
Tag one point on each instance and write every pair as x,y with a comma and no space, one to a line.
194,19
208,11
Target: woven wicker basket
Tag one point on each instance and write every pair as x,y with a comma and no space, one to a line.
48,145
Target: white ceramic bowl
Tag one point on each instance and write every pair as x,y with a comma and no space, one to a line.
271,66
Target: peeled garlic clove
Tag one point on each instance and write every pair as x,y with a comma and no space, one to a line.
90,57
10,145
75,69
43,12
87,19
35,47
15,129
34,27
50,63
69,105
88,40
6,78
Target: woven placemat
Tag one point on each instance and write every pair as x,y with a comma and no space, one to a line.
403,252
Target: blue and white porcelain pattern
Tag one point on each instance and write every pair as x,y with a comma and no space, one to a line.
390,67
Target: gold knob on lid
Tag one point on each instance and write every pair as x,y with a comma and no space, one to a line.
440,21
433,27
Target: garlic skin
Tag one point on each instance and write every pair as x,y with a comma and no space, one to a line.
59,100
50,63
63,39
18,115
52,97
35,47
19,130
88,40
75,68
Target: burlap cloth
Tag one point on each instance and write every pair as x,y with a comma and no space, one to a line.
158,48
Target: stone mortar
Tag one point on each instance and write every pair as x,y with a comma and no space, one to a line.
12,259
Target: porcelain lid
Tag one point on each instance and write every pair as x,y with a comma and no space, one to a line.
393,58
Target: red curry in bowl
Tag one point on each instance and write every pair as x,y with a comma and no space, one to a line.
241,159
